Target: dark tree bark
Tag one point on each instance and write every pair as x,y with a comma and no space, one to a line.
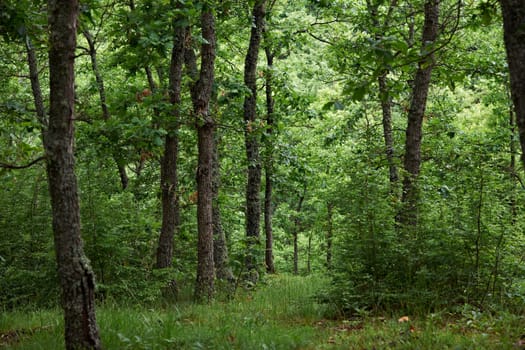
151,82
268,164
295,232
512,166
386,107
220,248
124,180
201,94
384,95
152,89
253,208
75,274
514,34
35,84
295,235
170,201
96,71
168,166
412,162
329,234
309,255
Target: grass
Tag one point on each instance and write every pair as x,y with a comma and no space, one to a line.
280,314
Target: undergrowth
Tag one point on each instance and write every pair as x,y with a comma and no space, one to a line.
281,313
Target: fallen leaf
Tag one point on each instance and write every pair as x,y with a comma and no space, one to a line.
403,319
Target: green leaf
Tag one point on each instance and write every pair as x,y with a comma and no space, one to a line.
399,45
359,92
157,141
486,18
339,106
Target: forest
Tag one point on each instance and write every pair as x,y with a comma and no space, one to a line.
262,174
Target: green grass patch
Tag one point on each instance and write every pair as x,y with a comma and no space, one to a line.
280,314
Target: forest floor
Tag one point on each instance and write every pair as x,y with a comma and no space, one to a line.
280,314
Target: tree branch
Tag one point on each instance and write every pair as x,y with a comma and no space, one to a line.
13,166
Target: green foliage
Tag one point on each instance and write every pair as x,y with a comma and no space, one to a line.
20,20
327,144
280,314
27,224
461,251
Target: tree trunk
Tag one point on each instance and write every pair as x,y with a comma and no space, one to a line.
75,274
297,228
309,255
124,180
386,107
220,248
329,235
201,94
268,215
409,215
384,94
168,167
268,164
96,71
170,202
295,253
151,82
253,209
512,166
35,84
205,267
513,18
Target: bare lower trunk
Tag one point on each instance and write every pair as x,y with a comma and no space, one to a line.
309,255
296,229
169,167
295,253
408,218
170,203
512,166
268,214
201,94
205,266
253,209
220,248
513,18
329,235
75,274
268,165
